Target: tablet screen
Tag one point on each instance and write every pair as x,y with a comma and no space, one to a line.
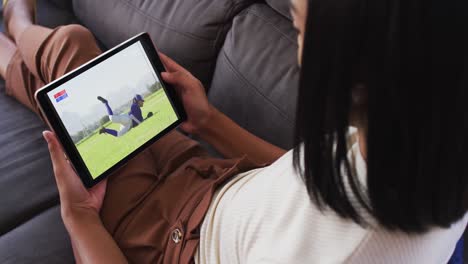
113,108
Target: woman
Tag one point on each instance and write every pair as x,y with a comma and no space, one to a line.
397,195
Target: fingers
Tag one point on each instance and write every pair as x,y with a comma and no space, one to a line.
56,154
170,64
59,162
179,80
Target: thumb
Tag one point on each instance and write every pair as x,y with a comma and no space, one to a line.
59,162
178,79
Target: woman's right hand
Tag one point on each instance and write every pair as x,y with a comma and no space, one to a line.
75,200
192,93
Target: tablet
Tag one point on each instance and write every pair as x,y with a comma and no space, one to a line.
111,108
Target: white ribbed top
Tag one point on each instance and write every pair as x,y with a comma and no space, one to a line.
266,216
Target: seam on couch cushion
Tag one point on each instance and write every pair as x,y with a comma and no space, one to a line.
224,29
45,206
240,76
162,24
222,32
279,8
259,16
42,240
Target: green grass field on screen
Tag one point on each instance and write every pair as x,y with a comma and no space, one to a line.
101,151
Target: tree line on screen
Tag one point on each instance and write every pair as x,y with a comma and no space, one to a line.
91,129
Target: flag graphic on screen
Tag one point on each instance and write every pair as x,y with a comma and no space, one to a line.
60,96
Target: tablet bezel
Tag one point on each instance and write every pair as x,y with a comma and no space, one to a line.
58,127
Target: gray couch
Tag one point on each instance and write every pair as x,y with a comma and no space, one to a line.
244,51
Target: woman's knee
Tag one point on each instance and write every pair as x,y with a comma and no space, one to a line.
75,34
71,46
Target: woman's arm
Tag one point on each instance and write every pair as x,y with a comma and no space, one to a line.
90,240
212,126
231,140
75,251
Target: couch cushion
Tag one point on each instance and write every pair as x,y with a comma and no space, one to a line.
55,13
27,185
281,6
31,230
65,5
42,239
50,13
255,82
190,31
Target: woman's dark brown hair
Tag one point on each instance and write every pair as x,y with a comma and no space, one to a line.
415,56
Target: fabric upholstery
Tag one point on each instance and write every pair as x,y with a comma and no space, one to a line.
31,229
25,166
30,225
254,83
42,239
281,6
190,31
256,76
63,5
26,178
56,13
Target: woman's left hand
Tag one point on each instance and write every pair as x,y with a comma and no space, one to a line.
75,199
192,94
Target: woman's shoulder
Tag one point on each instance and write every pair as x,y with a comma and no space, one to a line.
273,204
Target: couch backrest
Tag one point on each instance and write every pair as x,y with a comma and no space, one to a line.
281,6
256,76
242,50
190,31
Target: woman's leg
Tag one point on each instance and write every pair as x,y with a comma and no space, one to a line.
18,15
42,54
131,184
7,50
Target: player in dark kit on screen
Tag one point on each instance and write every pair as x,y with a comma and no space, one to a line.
128,120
